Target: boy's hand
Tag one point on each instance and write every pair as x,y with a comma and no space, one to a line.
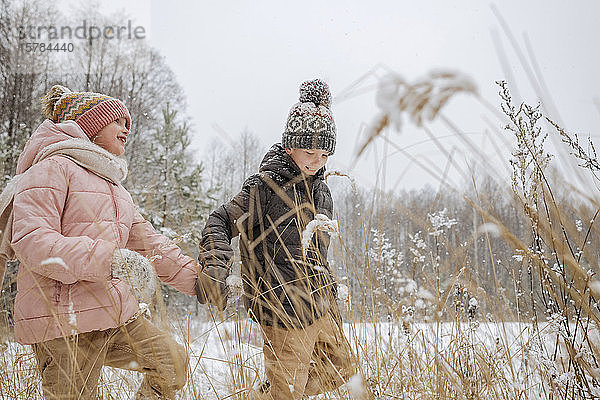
216,263
211,286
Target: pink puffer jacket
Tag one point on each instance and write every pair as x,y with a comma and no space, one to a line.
63,211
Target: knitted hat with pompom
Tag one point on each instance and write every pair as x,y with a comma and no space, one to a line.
91,111
310,123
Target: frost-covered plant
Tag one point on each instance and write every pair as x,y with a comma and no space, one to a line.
421,100
440,222
529,157
417,248
387,260
558,284
403,295
320,223
588,158
465,303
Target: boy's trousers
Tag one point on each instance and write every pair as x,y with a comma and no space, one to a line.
71,366
306,362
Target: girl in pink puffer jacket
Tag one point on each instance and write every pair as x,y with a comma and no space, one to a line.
71,220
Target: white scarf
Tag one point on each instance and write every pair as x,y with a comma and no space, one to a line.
86,154
89,156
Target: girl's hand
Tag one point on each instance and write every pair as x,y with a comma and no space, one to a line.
135,269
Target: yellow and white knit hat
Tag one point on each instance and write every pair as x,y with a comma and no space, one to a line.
91,111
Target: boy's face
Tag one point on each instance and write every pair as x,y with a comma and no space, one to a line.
113,137
308,160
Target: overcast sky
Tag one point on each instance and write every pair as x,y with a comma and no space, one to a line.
241,62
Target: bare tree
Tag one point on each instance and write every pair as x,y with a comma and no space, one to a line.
22,74
230,164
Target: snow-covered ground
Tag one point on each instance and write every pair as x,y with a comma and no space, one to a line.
226,357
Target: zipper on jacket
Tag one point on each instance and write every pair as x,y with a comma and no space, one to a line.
112,193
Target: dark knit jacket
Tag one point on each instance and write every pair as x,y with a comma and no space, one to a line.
284,285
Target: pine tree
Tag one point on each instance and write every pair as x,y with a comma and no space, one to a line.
175,201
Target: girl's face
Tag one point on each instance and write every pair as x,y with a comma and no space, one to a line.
308,160
113,137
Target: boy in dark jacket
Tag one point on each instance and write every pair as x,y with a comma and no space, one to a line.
289,289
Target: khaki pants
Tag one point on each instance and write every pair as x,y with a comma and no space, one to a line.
71,366
306,362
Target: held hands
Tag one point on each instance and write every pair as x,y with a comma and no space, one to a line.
211,286
216,284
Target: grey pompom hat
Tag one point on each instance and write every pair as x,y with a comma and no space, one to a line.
310,123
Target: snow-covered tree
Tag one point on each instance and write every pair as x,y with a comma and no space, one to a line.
175,200
22,78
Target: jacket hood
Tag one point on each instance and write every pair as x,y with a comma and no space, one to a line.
46,134
279,162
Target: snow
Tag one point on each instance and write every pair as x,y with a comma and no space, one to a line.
226,357
55,260
355,386
235,288
490,228
320,268
321,223
425,294
72,316
595,287
473,302
419,244
440,221
384,255
144,309
343,292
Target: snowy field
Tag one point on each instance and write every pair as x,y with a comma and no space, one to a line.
226,359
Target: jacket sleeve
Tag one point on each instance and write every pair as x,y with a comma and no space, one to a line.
37,236
243,211
171,265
